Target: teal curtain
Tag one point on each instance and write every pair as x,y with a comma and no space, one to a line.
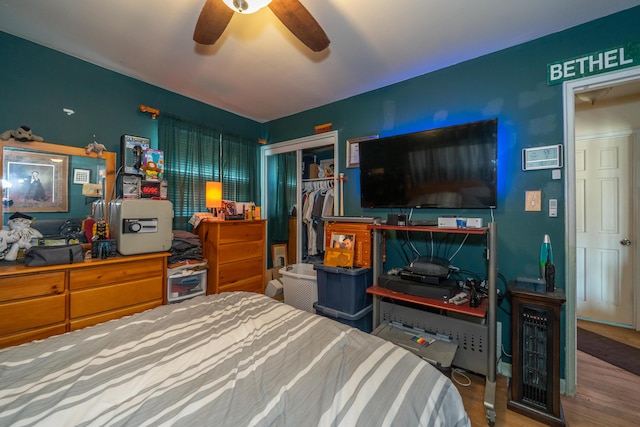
285,196
240,171
193,157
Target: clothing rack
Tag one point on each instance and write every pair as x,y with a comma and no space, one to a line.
318,184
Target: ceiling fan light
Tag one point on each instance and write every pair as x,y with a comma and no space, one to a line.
246,6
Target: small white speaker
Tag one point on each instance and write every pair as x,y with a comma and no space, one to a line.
474,222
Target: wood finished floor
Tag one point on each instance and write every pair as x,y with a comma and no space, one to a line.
607,395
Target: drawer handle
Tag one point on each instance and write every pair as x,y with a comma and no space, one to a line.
55,289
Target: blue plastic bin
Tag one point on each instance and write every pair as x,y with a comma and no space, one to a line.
344,289
362,320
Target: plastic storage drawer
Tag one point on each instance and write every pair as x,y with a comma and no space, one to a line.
361,320
344,289
186,284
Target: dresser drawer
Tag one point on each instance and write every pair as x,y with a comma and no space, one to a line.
240,251
235,271
32,313
33,334
248,284
110,315
31,285
104,298
241,232
104,275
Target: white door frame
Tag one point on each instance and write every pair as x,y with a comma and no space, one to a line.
297,145
568,91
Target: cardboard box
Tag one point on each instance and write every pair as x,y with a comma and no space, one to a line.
270,274
313,171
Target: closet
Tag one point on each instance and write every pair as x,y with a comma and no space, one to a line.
287,185
318,195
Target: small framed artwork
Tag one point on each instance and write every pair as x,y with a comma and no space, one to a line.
279,255
338,258
343,241
353,150
81,176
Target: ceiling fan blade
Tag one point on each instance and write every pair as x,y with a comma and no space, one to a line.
212,22
299,21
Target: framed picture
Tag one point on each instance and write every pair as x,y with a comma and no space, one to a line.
343,241
338,258
279,255
35,182
81,176
353,150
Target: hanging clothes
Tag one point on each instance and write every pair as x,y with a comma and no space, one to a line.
317,199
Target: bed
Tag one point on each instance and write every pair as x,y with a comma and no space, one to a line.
232,359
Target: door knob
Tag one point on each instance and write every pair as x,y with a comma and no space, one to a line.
625,242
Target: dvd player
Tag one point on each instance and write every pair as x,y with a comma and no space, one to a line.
445,290
421,278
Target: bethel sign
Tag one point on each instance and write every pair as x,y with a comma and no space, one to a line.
594,63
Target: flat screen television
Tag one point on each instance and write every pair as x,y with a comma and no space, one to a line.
453,167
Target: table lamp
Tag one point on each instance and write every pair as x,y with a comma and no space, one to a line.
214,196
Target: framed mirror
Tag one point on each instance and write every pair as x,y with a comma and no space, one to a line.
46,181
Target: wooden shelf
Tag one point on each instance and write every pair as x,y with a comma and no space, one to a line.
427,229
479,311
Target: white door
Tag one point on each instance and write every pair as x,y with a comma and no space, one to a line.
604,246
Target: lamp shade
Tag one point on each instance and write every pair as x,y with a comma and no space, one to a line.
214,194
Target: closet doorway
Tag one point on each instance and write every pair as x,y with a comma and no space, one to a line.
284,185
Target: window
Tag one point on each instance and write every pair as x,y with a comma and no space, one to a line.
195,154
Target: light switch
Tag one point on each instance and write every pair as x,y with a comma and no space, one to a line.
533,201
553,208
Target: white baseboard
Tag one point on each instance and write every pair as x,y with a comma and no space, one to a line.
504,369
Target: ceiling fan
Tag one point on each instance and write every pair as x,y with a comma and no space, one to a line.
216,14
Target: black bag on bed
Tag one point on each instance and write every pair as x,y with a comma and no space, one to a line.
39,256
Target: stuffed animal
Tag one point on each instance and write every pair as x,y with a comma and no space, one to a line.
152,170
97,147
22,134
19,235
5,240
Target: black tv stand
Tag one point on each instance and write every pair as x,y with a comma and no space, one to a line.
480,362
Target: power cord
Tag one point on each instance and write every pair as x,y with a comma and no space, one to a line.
461,373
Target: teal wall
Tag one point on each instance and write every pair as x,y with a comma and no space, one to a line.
510,85
37,83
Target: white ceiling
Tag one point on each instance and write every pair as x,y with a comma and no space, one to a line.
260,71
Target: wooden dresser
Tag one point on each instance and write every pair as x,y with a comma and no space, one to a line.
236,253
38,302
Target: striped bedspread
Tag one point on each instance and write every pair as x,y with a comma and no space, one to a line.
234,359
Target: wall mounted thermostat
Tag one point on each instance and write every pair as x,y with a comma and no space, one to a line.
547,157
